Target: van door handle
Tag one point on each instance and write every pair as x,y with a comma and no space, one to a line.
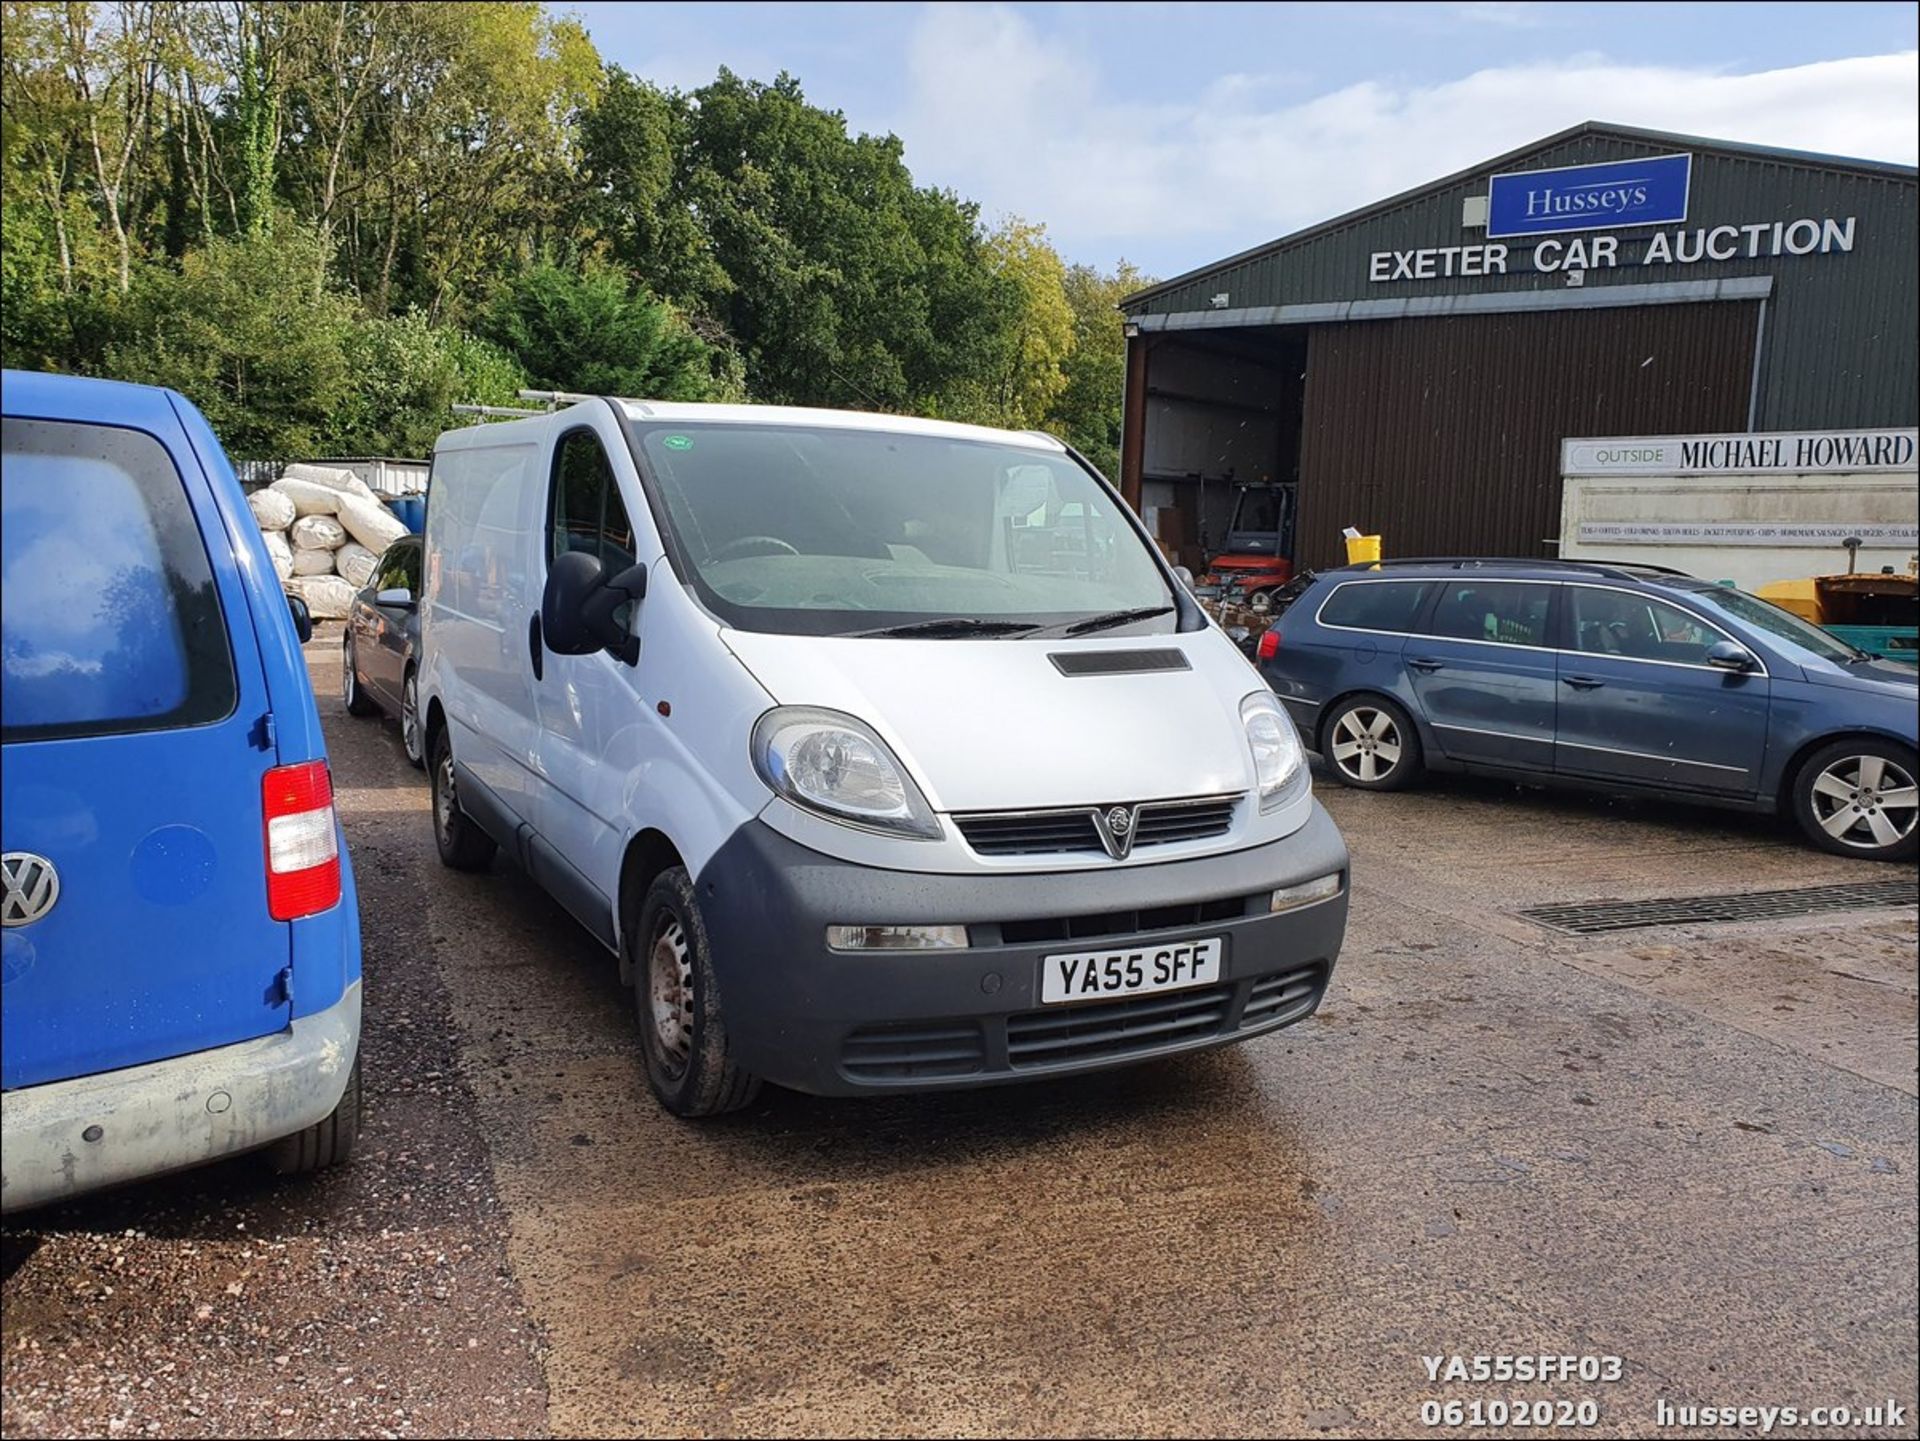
1426,664
1583,682
534,646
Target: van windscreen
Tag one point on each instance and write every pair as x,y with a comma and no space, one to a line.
111,623
825,529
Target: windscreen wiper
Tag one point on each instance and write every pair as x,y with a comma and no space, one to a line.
950,627
1110,619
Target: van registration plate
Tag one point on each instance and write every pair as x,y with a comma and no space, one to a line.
1129,971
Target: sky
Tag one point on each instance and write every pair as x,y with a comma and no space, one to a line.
1175,134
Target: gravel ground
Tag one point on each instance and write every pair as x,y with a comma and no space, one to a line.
1691,1147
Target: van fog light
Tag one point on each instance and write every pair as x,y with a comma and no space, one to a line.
1291,898
897,938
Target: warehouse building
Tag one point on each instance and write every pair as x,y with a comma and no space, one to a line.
1413,368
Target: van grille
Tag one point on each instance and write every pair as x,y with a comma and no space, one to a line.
1061,832
1058,1035
900,1053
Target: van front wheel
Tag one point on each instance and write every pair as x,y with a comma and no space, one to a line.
683,1030
463,845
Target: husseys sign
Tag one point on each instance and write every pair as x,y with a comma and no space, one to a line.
1543,206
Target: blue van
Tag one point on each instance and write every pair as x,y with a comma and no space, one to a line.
180,962
1620,678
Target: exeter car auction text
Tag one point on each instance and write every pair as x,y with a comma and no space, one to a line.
1598,252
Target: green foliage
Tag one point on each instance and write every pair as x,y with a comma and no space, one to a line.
327,222
241,333
592,330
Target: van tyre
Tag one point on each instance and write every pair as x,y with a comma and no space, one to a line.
324,1143
683,1030
463,845
1370,744
358,701
1858,798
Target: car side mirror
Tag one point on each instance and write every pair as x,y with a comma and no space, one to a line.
302,618
1184,576
1730,655
396,597
577,610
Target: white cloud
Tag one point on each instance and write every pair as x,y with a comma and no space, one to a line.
1029,126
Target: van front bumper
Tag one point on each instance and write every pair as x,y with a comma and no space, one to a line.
65,1138
842,1023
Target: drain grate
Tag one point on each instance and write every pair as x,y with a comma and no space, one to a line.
1590,918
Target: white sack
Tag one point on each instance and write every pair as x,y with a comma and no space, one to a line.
279,552
327,596
355,563
317,532
370,523
271,510
333,478
308,498
310,560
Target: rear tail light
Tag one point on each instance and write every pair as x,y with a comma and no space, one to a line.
1269,646
303,850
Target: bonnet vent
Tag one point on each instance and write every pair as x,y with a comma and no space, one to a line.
1117,662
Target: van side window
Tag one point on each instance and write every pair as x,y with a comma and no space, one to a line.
111,622
1375,605
586,512
1636,627
1508,613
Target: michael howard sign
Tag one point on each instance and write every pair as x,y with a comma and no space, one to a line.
1618,193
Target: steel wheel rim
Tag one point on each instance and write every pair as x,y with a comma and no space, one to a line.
409,722
443,794
670,991
1366,745
1865,802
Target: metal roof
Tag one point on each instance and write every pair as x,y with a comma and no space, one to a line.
1694,143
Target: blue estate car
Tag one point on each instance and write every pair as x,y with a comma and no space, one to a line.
180,959
1616,677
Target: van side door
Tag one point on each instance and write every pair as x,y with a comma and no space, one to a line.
593,723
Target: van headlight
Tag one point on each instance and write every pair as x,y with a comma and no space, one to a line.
835,766
1274,743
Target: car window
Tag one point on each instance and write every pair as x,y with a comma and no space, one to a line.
111,621
1781,626
586,512
1375,605
400,567
1637,627
1507,612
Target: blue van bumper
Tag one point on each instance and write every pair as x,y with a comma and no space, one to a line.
168,1115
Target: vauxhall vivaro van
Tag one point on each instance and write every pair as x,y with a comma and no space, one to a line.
884,753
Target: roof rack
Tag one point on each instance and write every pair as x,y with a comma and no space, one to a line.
550,401
1617,570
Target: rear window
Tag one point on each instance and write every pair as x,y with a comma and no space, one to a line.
1375,605
111,622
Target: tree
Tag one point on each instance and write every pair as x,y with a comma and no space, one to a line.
407,375
1086,413
591,330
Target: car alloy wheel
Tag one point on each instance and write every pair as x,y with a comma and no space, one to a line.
349,682
410,719
1866,802
670,991
443,799
1366,744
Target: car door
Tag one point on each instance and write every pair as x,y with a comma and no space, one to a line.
136,727
591,717
1482,669
397,573
1639,703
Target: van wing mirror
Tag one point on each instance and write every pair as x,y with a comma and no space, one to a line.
302,618
577,609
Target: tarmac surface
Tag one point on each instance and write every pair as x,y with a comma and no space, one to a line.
1692,1148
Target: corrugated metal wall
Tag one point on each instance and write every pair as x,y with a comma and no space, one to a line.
1842,330
1444,433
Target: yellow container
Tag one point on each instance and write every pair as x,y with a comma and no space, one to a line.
1363,549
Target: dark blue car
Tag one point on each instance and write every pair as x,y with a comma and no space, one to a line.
380,649
181,948
1622,678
